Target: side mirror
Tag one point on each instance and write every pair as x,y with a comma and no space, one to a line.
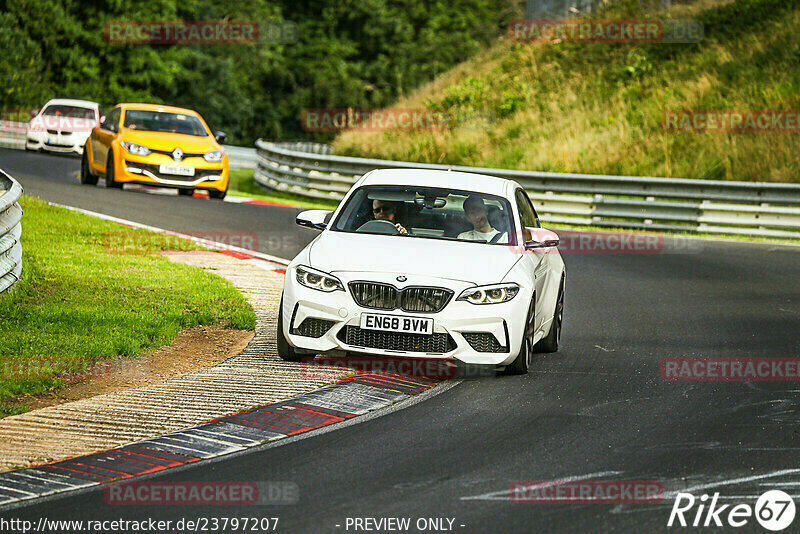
539,238
220,136
313,219
102,119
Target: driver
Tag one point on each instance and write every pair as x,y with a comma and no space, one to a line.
477,214
387,211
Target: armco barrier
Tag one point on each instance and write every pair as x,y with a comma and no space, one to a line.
12,134
10,231
662,204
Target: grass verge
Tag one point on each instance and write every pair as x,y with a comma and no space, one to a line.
81,300
600,108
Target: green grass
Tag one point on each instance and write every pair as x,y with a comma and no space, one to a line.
600,108
242,183
81,301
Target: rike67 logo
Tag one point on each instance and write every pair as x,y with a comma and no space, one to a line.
774,510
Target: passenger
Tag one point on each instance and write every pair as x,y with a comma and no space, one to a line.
477,214
387,211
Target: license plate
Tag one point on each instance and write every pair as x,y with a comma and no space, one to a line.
180,170
396,323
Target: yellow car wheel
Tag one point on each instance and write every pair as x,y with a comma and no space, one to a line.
110,182
87,178
218,194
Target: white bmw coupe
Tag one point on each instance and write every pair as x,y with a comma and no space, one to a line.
426,264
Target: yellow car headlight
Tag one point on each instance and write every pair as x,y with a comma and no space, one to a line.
135,148
214,156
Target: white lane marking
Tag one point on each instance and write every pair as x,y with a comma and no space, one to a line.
505,494
223,246
730,482
634,508
17,490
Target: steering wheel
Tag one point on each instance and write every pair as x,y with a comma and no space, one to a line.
378,226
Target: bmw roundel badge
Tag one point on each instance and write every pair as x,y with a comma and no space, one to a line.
401,278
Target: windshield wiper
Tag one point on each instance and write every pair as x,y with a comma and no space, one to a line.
448,238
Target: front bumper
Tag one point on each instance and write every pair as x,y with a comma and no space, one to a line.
145,170
65,143
474,334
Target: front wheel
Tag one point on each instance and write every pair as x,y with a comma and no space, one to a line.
524,359
549,343
87,178
216,194
285,351
111,173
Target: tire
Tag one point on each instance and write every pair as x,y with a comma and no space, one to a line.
110,172
549,343
185,192
285,351
218,195
87,178
524,359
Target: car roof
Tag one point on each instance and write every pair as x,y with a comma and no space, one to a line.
157,107
465,181
72,102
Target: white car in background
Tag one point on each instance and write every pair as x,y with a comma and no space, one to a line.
403,269
62,125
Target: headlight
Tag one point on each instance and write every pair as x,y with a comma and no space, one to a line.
214,155
318,280
134,148
493,294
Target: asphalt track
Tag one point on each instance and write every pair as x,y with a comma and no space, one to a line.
597,409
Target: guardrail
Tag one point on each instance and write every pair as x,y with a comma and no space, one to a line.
662,204
240,157
10,231
13,134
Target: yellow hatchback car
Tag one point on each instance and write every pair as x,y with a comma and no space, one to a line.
158,146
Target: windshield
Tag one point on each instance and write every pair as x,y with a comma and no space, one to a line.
159,121
73,112
428,212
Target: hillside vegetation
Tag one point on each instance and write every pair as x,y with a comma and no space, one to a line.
362,53
600,108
